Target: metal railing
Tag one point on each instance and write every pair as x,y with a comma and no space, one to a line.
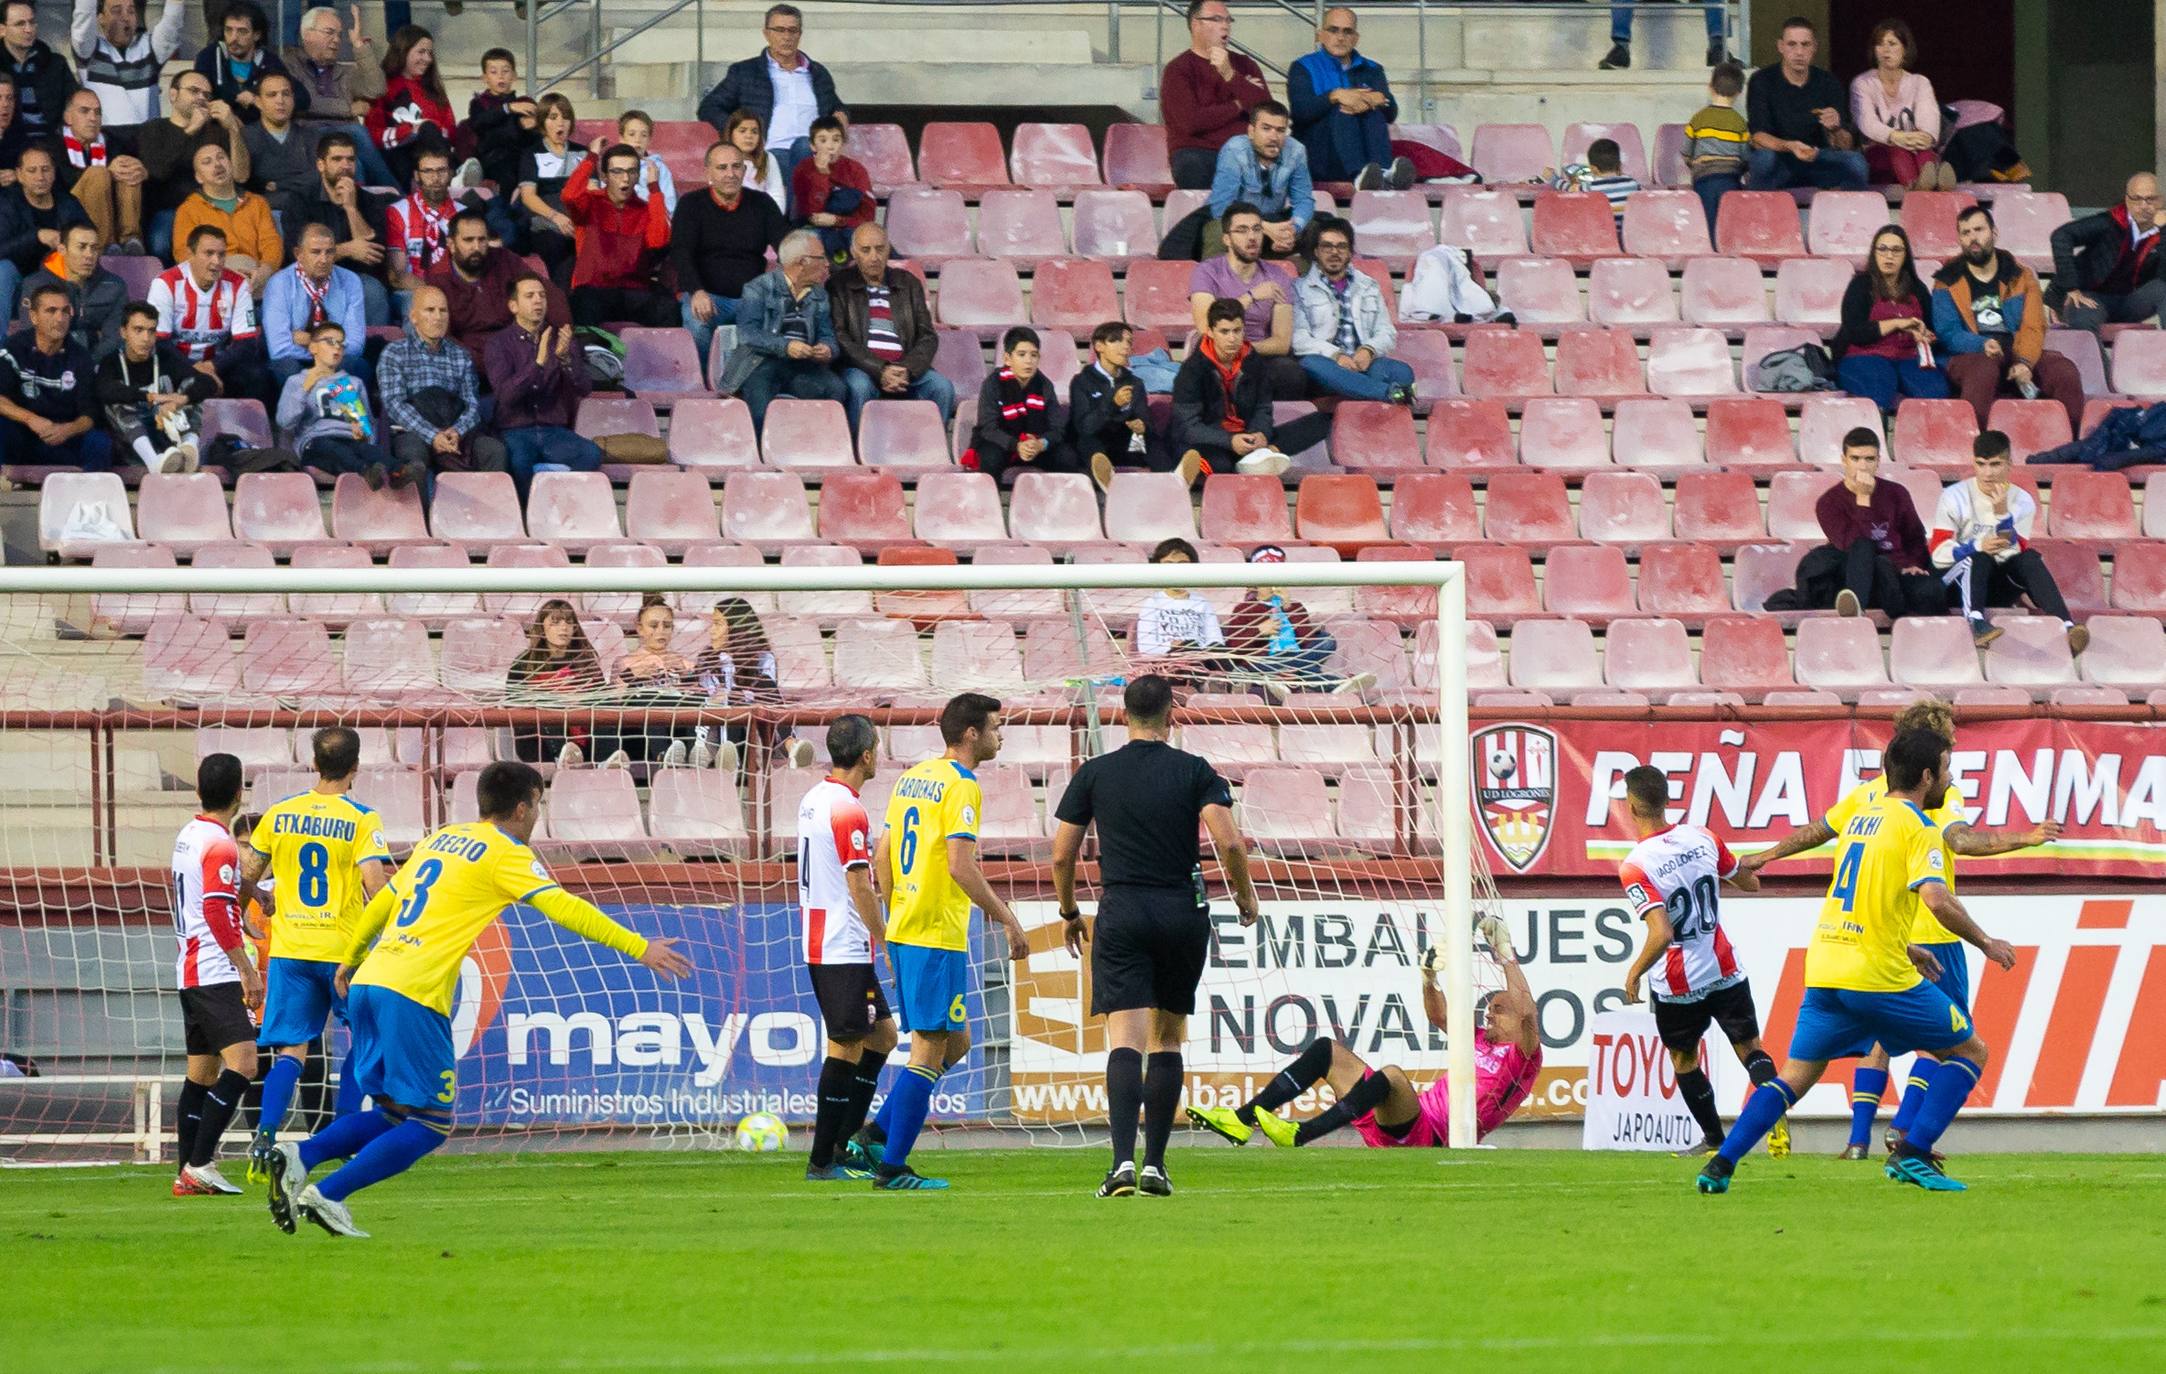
537,12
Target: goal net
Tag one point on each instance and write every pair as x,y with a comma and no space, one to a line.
678,713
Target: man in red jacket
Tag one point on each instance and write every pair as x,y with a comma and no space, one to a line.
1205,94
1271,639
622,240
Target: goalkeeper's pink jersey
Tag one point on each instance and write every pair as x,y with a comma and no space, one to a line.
1503,1076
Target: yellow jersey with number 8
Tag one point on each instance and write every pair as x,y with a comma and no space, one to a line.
1927,931
933,802
1885,853
316,843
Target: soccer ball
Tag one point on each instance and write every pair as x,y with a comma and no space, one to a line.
1502,765
762,1133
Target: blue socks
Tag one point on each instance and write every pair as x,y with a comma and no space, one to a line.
903,1114
278,1083
1922,1073
345,1137
349,1096
1950,1088
1867,1087
393,1152
1763,1109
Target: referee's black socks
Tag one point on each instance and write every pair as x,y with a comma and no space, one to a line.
220,1102
1124,1102
1292,1081
836,1079
1161,1099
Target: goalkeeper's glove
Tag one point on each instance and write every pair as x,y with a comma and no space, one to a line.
1432,960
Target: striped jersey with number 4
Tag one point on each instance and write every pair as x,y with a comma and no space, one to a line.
316,843
832,839
1680,870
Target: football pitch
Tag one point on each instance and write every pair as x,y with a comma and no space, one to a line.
1331,1258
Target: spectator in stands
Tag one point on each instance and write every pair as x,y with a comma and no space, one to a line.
763,170
100,170
738,668
1796,113
42,79
13,138
538,377
281,156
1981,542
785,333
783,87
832,193
1019,415
324,412
543,174
415,226
635,129
314,290
208,314
1265,291
95,295
1897,114
1222,404
151,398
47,396
884,332
623,242
1991,319
32,219
253,247
334,95
1175,622
2107,267
1109,415
118,61
237,64
558,667
1343,109
335,199
653,675
501,124
719,240
413,115
1619,56
1343,332
1262,169
1885,345
168,146
1272,638
476,278
1205,94
1876,557
1717,140
431,395
1603,174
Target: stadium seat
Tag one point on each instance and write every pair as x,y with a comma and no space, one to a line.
1157,296
1136,158
1285,811
864,509
1487,224
387,661
1505,153
334,608
1578,226
884,152
1682,580
2139,364
830,607
2091,505
1429,353
1929,218
1500,580
1749,432
189,658
880,657
237,606
1537,291
1344,511
699,813
1650,656
1670,225
2023,224
1554,656
2032,652
960,358
1506,364
135,270
661,366
1058,508
1485,662
1434,508
1331,749
1630,293
1587,580
1234,748
1826,419
572,509
1073,294
801,668
1471,433
433,607
1598,362
184,512
1369,646
1934,433
1114,226
807,434
82,512
622,608
1022,226
377,520
962,157
1933,653
2031,426
1244,510
132,613
1840,656
1760,569
520,604
1018,604
1762,225
929,226
601,416
2125,652
1529,508
1622,508
977,656
1718,508
1010,827
1051,652
1809,293
1724,293
1655,434
1146,507
1401,604
278,510
903,436
2076,572
2080,346
765,508
2154,506
1391,224
1183,202
959,510
398,797
243,419
982,294
1054,157
1693,363
594,813
1374,436
1442,137
670,508
283,656
1563,432
1631,149
1792,498
1764,339
710,433
1843,224
1746,655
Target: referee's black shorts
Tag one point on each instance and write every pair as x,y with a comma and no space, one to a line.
214,1016
1148,949
1681,1024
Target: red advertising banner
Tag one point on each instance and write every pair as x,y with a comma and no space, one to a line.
1548,797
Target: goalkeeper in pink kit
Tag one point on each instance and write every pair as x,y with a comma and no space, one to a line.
1384,1105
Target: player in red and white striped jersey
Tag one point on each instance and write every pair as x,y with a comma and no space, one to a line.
1673,879
219,987
843,921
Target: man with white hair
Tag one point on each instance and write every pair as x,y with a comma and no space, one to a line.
785,333
332,96
118,62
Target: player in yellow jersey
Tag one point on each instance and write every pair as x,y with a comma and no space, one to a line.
326,856
454,886
1865,981
1958,837
926,867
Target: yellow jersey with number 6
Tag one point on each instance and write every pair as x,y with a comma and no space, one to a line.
316,843
933,802
1884,854
1928,931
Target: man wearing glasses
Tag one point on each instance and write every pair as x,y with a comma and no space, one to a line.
1343,109
1204,95
785,88
2107,267
622,240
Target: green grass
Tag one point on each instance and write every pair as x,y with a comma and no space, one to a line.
1332,1259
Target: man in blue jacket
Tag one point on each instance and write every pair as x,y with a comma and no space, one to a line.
1343,109
785,88
312,291
1268,171
785,333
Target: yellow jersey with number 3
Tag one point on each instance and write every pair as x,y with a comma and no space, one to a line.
316,843
933,802
1885,853
1928,930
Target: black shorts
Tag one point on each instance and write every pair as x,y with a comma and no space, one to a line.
1681,1024
1148,949
214,1016
850,997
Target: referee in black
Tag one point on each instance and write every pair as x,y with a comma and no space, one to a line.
1153,930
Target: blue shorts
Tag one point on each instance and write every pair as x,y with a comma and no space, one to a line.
297,1001
402,1050
1954,972
1838,1023
929,987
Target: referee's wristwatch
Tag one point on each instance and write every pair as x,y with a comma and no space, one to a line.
1072,914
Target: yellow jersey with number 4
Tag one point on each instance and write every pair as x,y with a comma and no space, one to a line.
316,843
1928,930
933,802
1884,855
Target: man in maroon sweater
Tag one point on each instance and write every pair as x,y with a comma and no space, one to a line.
476,279
1876,556
1205,94
623,242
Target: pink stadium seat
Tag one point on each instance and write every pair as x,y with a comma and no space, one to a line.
182,512
573,509
1434,508
2080,346
334,608
285,657
1760,570
977,656
1843,224
1401,604
800,656
132,613
671,508
244,419
399,800
1506,364
699,813
1762,225
1075,294
434,607
1669,164
1286,811
661,366
1718,507
1554,656
1181,203
2126,652
1022,226
765,508
1429,353
605,415
1840,656
959,510
828,608
1136,158
1826,419
1329,748
1442,137
2154,506
1809,292
1157,296
1748,433
1762,340
135,270
710,433
2024,222
1538,291
1051,653
2032,652
1631,149
2076,572
1243,746
594,813
1744,654
1724,293
864,508
1691,363
1487,224
2031,426
1472,433
1344,511
64,493
1935,434
279,510
1651,656
1011,827
1369,646
1238,509
1933,653
1629,292
2091,505
1655,434
929,226
2139,364
1054,157
1113,226
961,359
388,661
1019,604
186,657
1791,499
1529,508
1598,362
982,294
1512,152
1391,224
1622,508
1374,435
1682,580
2139,577
881,657
884,151
964,157
1671,225
1499,580
521,604
1563,432
237,606
903,436
257,747
1145,507
1929,218
1575,225
622,608
1056,508
807,434
1581,579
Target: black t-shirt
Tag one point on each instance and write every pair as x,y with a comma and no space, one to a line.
1774,106
1146,797
55,386
1987,307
